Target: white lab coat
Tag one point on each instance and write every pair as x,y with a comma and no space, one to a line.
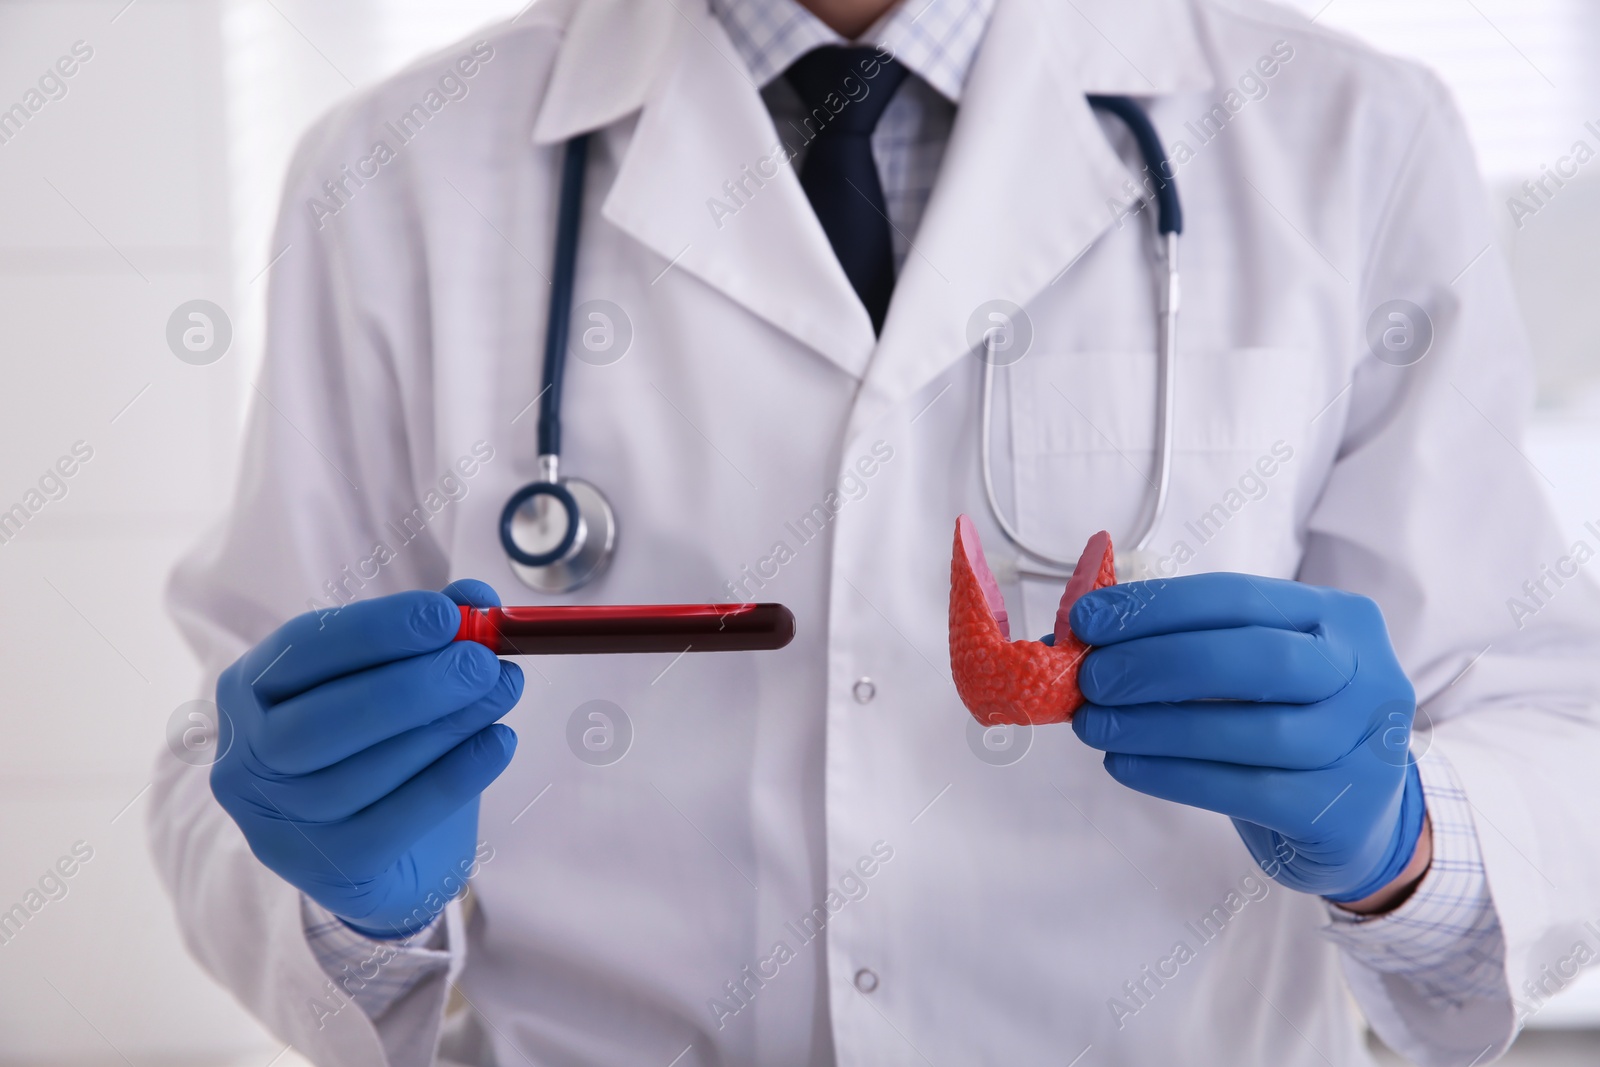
1020,899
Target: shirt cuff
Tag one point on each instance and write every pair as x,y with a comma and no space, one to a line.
369,972
1445,940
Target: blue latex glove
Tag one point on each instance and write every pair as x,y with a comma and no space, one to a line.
354,746
1278,704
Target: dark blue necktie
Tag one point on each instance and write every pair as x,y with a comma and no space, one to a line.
845,91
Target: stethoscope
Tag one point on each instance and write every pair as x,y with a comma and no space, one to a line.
561,533
1140,560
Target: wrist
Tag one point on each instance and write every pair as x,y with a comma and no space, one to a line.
419,922
1390,882
386,924
375,933
1398,891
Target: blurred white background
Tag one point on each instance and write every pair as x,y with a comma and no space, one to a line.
153,181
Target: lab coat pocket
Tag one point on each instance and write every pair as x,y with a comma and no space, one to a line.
1081,437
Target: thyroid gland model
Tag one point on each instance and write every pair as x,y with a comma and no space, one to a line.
1002,681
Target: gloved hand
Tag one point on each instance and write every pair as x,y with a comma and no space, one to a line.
354,745
1279,704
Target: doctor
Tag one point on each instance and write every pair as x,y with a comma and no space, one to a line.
815,856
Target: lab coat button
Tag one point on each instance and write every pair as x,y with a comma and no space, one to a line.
866,980
864,690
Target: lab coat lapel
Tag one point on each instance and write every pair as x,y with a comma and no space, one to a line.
611,53
701,186
1028,181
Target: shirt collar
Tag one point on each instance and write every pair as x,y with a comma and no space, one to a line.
935,39
613,52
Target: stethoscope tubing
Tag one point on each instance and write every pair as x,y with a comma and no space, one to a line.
563,279
1169,225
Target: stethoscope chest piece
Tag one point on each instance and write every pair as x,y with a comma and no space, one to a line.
559,533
